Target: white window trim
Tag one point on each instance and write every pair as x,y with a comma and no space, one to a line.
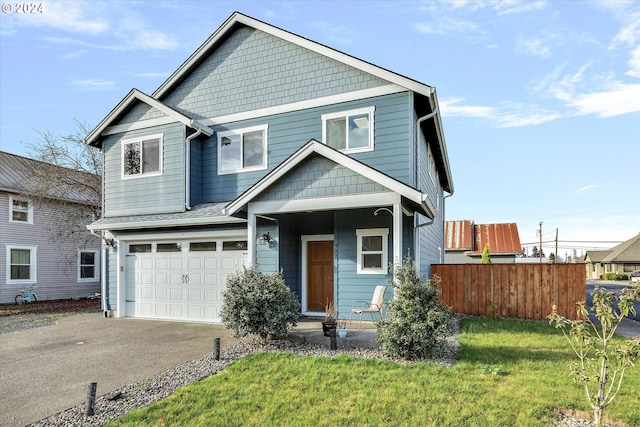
96,266
33,267
265,145
29,210
125,142
384,232
367,110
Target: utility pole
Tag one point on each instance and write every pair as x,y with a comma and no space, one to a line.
540,252
555,261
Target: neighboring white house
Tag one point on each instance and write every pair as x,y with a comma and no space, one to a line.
30,252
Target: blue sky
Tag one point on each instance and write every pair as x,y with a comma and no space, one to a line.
540,99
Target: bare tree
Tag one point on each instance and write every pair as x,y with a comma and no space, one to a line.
70,175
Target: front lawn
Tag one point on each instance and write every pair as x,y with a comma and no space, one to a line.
510,373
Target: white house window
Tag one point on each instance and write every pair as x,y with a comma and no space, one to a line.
349,131
242,150
21,264
142,156
88,266
20,210
372,250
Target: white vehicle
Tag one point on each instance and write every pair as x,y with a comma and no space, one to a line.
634,276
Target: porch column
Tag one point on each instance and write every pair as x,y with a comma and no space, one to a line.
397,233
251,238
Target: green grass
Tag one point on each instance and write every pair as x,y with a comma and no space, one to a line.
510,373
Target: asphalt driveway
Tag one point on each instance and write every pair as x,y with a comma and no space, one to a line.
46,370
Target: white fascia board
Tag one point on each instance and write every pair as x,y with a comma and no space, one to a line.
317,147
166,223
238,18
131,97
306,104
186,235
352,201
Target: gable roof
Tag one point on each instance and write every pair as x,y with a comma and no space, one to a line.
628,251
17,173
464,235
239,19
596,255
420,200
128,101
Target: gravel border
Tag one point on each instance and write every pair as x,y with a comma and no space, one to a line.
117,403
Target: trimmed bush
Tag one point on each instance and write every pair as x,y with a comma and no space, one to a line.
260,304
416,318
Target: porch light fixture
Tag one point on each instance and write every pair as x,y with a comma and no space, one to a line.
109,243
265,239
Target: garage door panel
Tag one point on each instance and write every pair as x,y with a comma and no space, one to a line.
179,285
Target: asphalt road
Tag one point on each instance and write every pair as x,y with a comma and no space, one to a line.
614,286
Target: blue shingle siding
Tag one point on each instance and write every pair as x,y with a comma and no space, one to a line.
145,195
320,177
141,111
252,70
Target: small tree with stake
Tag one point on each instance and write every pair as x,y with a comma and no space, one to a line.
601,361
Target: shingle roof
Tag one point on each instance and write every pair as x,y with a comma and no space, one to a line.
597,255
628,251
17,172
206,213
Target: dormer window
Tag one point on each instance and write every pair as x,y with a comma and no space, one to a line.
349,131
142,156
242,150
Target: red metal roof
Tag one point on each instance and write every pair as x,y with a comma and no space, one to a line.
458,235
500,238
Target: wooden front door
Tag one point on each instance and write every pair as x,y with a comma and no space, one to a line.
319,274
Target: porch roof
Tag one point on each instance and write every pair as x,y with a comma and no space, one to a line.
419,200
203,214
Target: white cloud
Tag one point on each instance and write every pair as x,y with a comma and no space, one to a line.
76,17
534,47
503,115
613,100
446,25
94,84
585,188
634,63
508,7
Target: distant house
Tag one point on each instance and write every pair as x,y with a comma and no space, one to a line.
621,259
268,149
465,241
32,249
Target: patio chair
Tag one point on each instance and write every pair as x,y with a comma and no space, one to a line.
375,306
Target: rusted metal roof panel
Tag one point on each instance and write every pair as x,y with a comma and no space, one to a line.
458,236
500,238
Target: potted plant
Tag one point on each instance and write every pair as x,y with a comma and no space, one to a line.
342,328
330,314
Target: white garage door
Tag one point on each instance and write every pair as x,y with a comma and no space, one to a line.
180,281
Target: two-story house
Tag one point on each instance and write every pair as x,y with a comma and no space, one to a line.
268,149
35,245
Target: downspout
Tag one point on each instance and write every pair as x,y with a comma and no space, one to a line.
418,123
103,272
187,169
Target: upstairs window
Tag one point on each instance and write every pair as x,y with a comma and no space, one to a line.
242,150
88,266
20,210
372,251
142,156
349,131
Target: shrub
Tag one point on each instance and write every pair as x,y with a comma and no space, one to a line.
416,318
601,362
258,303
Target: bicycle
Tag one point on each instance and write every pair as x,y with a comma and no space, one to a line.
26,295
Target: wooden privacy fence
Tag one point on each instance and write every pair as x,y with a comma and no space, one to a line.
523,291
